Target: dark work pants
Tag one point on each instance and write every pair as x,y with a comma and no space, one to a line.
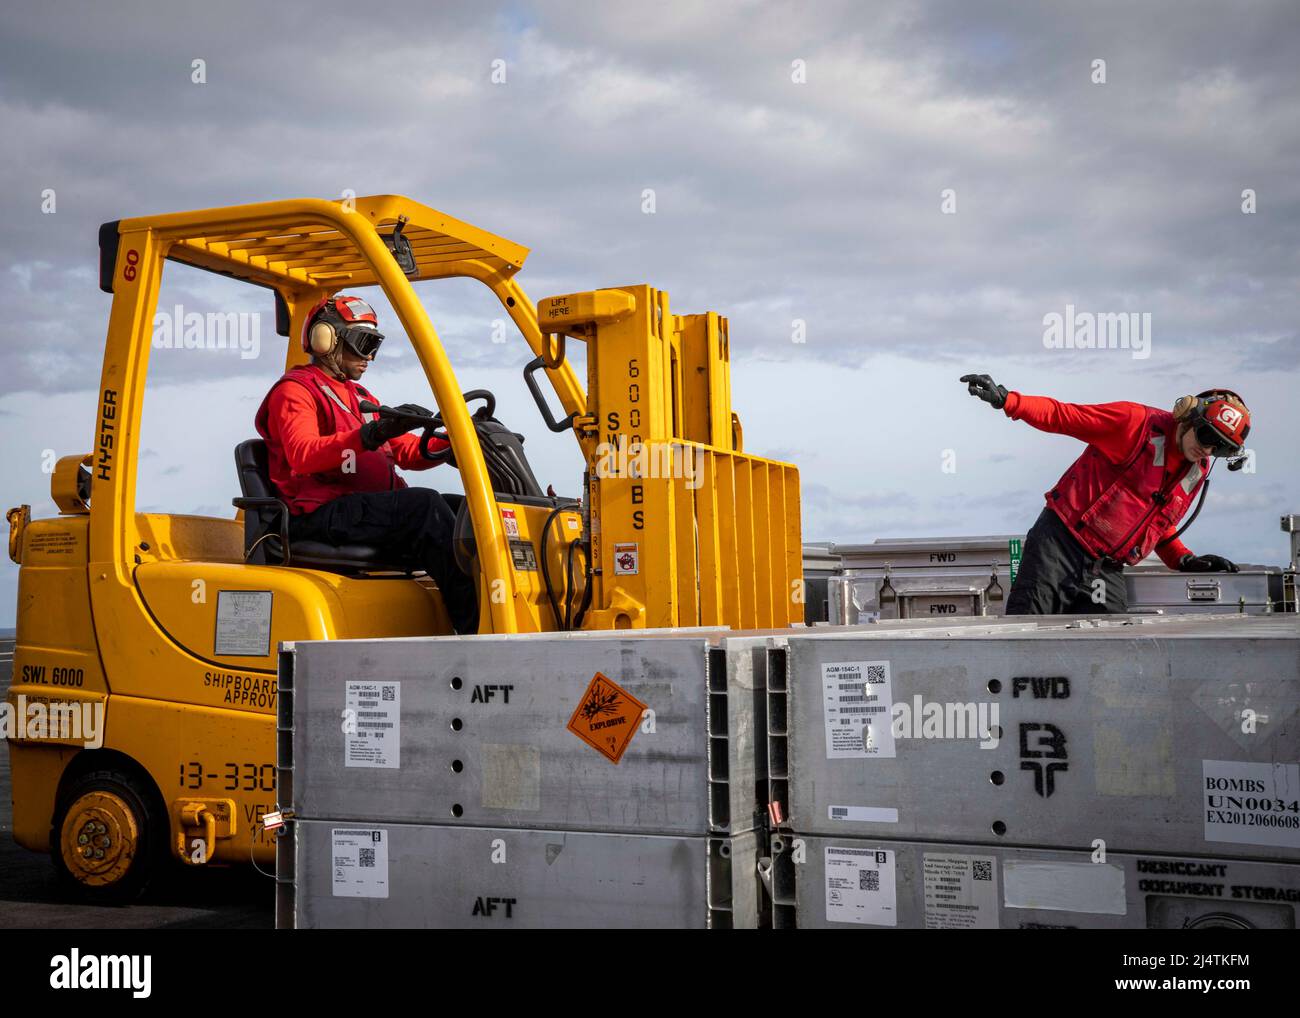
413,527
1058,577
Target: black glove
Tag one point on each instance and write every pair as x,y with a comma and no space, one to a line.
375,433
415,410
1190,563
986,389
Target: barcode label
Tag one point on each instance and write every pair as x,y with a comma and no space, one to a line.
857,702
961,892
372,729
865,815
360,862
860,886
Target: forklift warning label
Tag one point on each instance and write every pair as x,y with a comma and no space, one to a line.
243,623
372,724
626,559
961,892
360,859
860,886
858,701
1251,803
606,718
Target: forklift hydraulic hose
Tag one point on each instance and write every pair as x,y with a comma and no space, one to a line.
546,565
568,582
586,593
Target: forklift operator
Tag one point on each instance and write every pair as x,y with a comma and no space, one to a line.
1122,498
335,465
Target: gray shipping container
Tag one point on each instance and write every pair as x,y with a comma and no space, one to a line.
941,576
474,732
952,576
332,874
1254,590
850,883
1177,735
820,565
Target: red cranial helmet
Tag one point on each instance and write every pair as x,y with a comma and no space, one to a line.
1221,420
342,318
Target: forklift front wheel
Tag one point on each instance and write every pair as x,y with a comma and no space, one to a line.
105,837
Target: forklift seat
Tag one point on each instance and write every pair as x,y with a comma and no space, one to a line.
266,526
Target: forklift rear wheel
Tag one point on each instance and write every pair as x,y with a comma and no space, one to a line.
105,837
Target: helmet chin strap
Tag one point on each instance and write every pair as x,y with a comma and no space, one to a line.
329,362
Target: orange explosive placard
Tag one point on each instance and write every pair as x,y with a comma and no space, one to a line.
606,718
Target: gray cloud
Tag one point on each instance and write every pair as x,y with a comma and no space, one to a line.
775,201
1281,354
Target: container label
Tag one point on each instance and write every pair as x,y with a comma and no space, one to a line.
860,886
961,892
1251,803
360,862
372,724
858,701
606,718
243,623
864,814
1094,888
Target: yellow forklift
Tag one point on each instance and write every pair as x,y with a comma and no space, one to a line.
166,626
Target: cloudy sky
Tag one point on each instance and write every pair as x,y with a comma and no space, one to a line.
801,157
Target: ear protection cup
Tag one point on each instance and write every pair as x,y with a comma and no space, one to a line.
331,319
322,338
1184,406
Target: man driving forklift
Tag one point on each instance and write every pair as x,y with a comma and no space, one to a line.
335,464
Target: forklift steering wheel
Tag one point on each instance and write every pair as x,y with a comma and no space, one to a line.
437,429
469,397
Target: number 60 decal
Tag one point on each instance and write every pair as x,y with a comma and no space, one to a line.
132,260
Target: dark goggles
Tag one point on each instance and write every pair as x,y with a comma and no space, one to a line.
1209,437
361,341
